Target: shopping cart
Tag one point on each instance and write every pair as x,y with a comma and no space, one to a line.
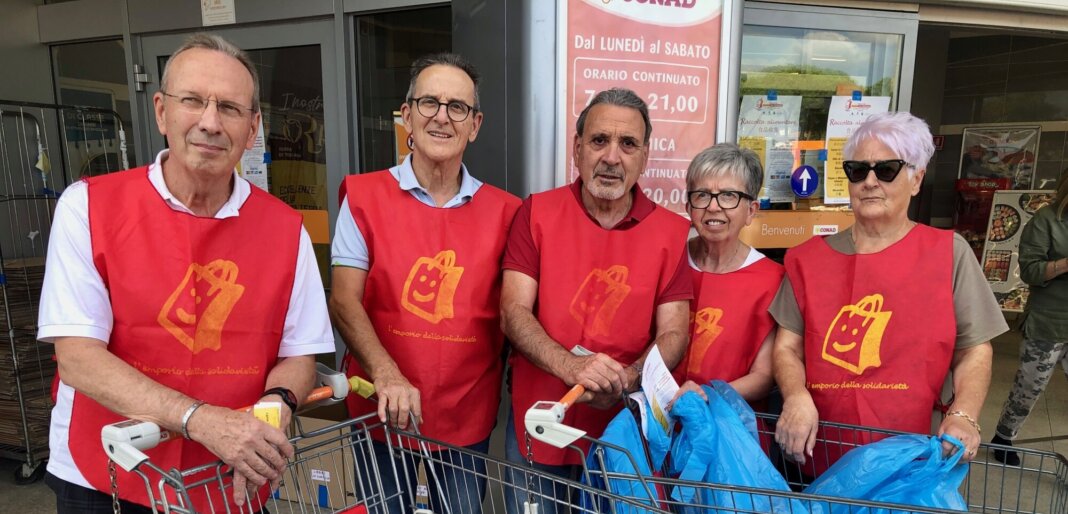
335,470
1039,485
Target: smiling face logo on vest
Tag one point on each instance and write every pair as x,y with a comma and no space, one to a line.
431,285
706,329
855,336
599,297
198,308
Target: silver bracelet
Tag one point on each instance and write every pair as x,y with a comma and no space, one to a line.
188,414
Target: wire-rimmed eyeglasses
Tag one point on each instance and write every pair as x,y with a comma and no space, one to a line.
194,104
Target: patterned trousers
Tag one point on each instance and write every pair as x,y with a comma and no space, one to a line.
1038,359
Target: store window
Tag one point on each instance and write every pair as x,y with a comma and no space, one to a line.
790,78
93,75
387,43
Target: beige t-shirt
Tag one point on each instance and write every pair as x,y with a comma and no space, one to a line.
979,318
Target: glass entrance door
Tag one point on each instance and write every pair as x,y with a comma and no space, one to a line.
298,88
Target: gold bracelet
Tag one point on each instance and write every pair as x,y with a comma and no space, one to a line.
971,421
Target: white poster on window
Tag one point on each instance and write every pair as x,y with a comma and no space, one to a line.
845,116
253,164
768,125
217,12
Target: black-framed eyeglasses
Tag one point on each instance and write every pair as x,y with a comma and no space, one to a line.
886,171
429,106
726,199
194,104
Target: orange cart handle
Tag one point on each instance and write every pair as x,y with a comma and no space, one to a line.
572,396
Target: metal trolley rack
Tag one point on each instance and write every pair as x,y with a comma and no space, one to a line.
81,141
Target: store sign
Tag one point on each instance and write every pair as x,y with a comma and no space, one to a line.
787,229
668,52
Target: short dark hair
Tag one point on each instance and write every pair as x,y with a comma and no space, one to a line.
443,59
620,97
206,41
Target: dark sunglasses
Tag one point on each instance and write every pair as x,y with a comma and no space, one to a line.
885,171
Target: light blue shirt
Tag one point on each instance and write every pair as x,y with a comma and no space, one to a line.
349,248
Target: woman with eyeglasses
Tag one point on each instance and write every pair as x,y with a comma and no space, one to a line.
730,329
873,318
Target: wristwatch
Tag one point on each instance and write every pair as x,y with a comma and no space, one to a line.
288,397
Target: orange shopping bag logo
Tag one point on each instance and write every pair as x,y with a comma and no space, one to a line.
431,285
197,310
599,297
856,335
706,330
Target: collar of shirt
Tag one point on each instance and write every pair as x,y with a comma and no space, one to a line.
241,191
640,208
405,175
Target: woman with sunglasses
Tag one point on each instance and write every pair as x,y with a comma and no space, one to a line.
730,330
871,319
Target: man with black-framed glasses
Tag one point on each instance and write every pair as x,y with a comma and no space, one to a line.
416,280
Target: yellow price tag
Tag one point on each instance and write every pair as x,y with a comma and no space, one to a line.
268,412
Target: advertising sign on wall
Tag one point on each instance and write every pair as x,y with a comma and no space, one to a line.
1001,255
845,116
669,54
1000,152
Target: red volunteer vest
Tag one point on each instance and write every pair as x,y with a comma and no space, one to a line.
728,321
433,296
597,288
879,333
198,307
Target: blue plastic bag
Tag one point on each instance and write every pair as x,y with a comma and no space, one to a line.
905,469
718,444
624,431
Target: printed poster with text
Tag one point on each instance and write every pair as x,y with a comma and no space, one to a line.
845,116
769,128
1001,253
669,55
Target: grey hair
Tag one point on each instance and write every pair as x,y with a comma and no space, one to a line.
206,41
443,59
730,160
905,135
619,97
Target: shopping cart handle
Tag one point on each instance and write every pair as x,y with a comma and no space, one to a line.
544,420
125,441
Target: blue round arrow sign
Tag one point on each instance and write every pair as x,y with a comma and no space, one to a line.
804,181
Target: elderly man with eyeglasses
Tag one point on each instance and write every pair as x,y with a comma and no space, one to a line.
175,293
595,277
416,286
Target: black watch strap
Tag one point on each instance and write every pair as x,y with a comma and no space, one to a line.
288,397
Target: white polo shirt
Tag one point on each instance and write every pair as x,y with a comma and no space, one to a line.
75,302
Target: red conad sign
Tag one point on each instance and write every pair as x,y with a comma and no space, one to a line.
666,51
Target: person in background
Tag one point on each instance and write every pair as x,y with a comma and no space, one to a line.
873,318
595,277
177,292
1044,267
731,331
416,287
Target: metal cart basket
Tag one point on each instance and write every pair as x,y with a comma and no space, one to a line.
335,470
1039,486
